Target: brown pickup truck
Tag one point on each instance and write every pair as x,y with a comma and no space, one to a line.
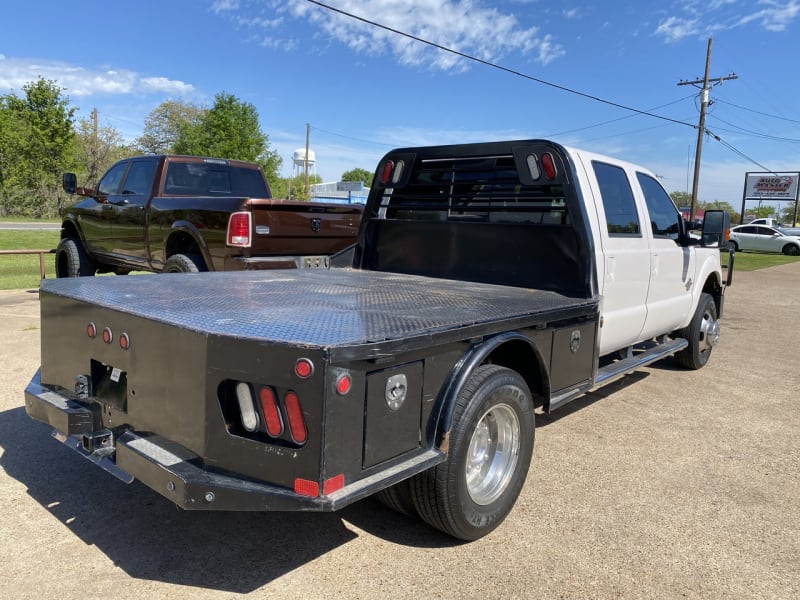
188,214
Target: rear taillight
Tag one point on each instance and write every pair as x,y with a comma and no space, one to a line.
549,166
294,414
264,413
240,226
272,414
386,175
247,408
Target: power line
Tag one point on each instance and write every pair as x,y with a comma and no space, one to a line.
757,134
700,128
497,66
758,112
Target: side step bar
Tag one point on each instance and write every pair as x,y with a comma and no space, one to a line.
622,367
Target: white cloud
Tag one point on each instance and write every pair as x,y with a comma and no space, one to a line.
703,17
81,81
219,6
674,28
469,26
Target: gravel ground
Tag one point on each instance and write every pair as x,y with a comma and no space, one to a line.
667,484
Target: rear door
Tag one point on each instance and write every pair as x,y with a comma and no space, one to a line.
623,256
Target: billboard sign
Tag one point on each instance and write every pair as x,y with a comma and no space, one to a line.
772,186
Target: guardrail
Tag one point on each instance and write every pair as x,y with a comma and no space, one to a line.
41,254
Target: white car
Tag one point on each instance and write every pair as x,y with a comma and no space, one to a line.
764,239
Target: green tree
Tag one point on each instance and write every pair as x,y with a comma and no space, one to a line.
96,149
358,174
681,199
229,129
36,140
163,125
297,187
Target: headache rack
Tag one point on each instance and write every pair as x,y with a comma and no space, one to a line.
487,189
478,212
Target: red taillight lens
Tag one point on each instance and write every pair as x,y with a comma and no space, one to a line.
124,341
344,383
239,227
91,330
386,175
272,416
303,368
549,165
294,413
108,337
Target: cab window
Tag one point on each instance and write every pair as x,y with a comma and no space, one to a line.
140,177
664,217
618,204
110,182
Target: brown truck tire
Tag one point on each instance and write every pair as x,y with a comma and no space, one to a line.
72,260
184,263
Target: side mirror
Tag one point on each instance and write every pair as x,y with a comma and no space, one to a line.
69,181
716,229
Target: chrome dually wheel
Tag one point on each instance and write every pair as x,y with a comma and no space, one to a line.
493,453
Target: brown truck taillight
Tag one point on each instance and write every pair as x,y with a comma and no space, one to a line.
240,229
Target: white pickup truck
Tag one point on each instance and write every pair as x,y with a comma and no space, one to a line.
489,281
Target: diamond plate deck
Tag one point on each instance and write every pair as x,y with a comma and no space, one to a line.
322,308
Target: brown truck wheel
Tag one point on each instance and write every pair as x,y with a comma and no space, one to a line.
491,444
184,263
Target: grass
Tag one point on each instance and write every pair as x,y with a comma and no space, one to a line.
752,261
22,271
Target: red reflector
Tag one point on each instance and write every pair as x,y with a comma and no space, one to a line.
107,335
124,341
333,484
297,423
272,416
549,165
303,368
91,330
387,171
304,487
239,229
344,383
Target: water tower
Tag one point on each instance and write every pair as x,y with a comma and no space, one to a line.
299,162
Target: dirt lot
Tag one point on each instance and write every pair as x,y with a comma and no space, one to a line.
669,484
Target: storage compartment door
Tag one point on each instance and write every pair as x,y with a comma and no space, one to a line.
392,417
573,355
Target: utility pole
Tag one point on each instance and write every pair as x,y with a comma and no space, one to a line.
308,135
701,128
93,151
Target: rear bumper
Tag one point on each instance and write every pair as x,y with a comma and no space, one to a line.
179,475
280,262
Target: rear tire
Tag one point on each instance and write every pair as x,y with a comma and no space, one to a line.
72,260
734,245
184,263
702,333
490,449
398,498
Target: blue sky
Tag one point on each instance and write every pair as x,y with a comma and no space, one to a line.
365,90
